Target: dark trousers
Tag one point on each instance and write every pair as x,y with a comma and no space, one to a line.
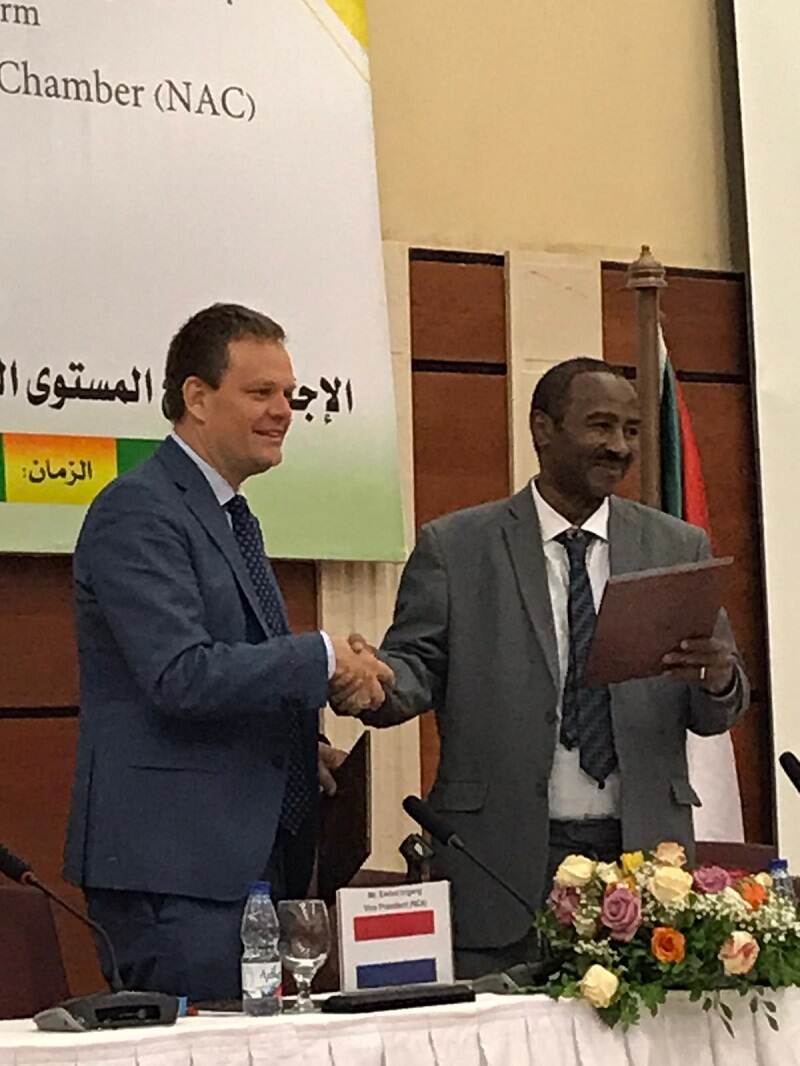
174,944
186,946
597,838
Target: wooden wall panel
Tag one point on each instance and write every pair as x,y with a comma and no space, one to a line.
38,667
460,441
458,310
705,321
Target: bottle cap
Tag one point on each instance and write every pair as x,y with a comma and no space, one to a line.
261,887
778,864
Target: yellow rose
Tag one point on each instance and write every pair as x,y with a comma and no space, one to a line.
575,871
609,873
671,854
599,986
764,880
670,885
631,861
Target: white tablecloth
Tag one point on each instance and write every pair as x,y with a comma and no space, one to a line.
494,1031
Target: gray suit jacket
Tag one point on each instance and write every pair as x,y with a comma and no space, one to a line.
473,638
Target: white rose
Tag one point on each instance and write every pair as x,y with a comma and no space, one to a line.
599,986
669,884
575,871
609,873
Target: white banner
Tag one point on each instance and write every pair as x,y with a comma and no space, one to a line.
159,156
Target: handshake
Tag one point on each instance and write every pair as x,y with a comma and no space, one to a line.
359,677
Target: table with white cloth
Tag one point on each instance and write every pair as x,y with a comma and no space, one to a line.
493,1031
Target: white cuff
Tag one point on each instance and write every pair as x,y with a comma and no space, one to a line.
330,653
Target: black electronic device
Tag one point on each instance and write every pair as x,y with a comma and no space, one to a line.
116,1009
397,997
790,765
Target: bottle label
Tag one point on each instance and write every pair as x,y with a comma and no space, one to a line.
261,979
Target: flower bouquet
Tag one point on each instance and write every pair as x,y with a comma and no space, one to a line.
624,934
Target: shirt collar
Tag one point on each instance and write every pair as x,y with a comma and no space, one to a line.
551,523
219,486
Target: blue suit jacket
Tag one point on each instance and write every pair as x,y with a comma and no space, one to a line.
185,694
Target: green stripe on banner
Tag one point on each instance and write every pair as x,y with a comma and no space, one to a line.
2,472
671,456
132,452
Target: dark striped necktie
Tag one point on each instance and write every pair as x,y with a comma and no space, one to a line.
585,712
299,790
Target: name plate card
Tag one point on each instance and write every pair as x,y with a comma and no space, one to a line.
395,935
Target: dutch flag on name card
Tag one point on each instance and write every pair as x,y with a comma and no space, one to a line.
395,935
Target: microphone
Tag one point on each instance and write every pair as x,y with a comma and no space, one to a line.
20,871
790,765
438,828
101,1010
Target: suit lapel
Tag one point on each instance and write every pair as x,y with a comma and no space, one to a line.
624,538
524,542
201,501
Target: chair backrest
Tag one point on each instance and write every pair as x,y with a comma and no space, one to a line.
32,973
752,858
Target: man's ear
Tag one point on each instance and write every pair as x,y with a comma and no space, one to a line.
542,429
195,393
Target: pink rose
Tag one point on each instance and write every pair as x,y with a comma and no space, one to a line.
739,953
711,879
563,902
621,912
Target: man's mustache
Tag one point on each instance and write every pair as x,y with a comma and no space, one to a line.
613,457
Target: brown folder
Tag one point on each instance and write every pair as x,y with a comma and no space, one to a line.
345,839
648,613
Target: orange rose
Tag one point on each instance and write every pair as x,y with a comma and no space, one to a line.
753,893
667,944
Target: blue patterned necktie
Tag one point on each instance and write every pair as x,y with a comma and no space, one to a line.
585,712
298,794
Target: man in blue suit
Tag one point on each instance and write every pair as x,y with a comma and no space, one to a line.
197,758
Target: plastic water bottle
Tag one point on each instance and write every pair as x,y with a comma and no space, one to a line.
261,960
782,884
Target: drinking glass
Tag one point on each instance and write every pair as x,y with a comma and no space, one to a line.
305,940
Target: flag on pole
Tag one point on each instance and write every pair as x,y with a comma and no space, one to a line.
712,764
683,490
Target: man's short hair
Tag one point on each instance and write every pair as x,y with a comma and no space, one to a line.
552,390
200,349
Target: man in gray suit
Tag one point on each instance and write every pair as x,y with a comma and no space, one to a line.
492,626
197,755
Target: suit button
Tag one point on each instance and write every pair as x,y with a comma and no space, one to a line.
542,791
551,718
279,761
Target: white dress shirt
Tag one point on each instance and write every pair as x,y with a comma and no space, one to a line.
224,494
573,794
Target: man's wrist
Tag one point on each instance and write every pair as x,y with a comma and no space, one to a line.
728,690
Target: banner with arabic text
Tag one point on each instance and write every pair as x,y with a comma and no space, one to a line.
159,157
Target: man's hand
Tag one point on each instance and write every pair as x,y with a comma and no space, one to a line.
709,661
359,643
357,682
329,759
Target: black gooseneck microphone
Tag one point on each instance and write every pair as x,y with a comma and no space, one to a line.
18,870
438,828
790,765
101,1010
